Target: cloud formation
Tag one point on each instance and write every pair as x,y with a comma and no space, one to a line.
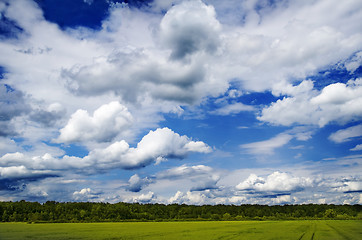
267,146
337,102
106,123
277,182
190,28
347,134
156,146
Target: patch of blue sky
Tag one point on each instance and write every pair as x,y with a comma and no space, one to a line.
75,150
74,13
336,74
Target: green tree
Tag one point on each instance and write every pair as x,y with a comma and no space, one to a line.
226,217
330,213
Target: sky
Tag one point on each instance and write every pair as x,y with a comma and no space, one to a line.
187,102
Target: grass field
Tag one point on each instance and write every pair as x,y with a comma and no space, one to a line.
186,230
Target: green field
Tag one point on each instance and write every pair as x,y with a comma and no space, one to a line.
314,229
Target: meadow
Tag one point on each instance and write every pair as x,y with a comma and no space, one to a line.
301,229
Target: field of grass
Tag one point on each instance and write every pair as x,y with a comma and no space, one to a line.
336,229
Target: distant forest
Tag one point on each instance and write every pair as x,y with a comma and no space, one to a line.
51,211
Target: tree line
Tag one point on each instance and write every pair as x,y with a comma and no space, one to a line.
51,211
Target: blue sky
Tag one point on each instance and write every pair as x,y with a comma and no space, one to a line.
196,102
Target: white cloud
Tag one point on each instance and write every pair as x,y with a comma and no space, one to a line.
85,194
350,186
233,108
347,134
282,199
107,122
195,178
136,183
354,63
267,146
161,143
337,102
192,198
143,198
357,148
14,172
274,183
190,28
185,171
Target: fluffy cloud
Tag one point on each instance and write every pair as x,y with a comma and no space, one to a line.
277,182
350,186
85,194
285,42
337,102
189,28
21,172
136,183
106,123
157,145
142,69
142,198
163,143
192,198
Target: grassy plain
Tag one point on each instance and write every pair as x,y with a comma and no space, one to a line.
313,229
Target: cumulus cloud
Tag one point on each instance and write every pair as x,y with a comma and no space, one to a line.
277,182
337,102
85,194
159,144
288,42
192,198
107,122
21,172
190,27
136,183
142,69
163,143
350,186
143,198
